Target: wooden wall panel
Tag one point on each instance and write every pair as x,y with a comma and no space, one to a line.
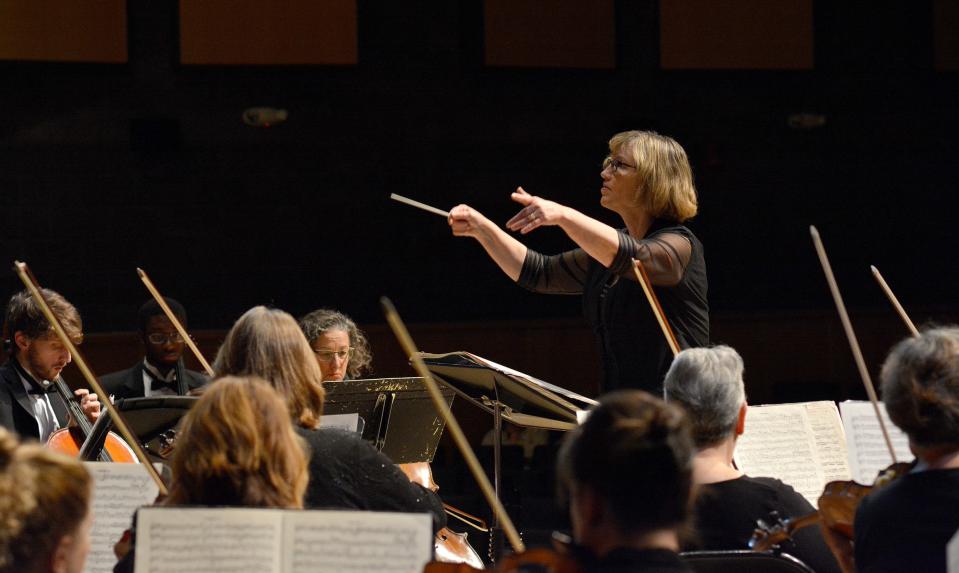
558,33
294,32
736,34
63,30
946,31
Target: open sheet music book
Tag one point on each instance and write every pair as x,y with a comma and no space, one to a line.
808,444
240,540
118,491
530,401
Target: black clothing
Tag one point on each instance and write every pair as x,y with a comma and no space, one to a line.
632,345
129,383
726,514
905,525
628,560
16,407
348,473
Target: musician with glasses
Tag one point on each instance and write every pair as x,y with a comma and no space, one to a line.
161,371
340,347
647,181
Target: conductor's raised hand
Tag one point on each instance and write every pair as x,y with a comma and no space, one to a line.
466,221
536,212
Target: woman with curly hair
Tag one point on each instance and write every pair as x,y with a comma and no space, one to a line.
340,347
45,517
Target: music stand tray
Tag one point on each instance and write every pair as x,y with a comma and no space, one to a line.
399,418
523,400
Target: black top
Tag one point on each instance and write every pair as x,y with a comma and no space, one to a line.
726,514
348,473
634,351
626,560
906,525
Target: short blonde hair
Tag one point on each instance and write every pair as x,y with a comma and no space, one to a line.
267,342
237,447
44,496
666,187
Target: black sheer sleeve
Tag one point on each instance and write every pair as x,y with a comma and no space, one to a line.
564,273
664,255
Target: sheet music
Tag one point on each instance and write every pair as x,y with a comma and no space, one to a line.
357,542
868,453
516,373
952,554
237,540
800,444
830,440
118,491
200,540
348,422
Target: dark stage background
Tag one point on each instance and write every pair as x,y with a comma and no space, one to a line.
146,162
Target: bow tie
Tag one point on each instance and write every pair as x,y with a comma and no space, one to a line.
37,389
160,384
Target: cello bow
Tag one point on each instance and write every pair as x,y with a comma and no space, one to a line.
895,301
644,281
23,271
409,347
851,336
176,322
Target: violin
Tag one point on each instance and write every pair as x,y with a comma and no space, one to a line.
837,510
69,441
449,546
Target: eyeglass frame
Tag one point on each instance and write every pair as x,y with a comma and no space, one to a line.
341,354
174,337
615,163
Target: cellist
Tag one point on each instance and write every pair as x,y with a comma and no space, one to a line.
36,358
905,525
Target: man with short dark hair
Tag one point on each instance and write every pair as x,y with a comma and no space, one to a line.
29,404
159,373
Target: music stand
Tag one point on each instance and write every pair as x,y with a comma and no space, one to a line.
150,419
508,395
399,418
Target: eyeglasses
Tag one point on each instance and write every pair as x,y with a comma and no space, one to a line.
158,338
615,163
328,355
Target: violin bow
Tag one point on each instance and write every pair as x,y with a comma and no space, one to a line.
851,336
895,301
406,341
176,322
644,281
23,271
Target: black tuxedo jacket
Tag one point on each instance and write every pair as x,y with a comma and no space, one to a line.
129,383
16,408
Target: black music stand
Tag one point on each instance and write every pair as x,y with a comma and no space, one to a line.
507,395
152,419
399,418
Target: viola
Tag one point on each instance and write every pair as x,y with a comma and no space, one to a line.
837,510
68,441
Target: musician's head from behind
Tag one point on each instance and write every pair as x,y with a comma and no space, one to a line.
44,509
162,344
708,384
31,338
626,473
267,342
237,447
340,347
920,388
651,172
